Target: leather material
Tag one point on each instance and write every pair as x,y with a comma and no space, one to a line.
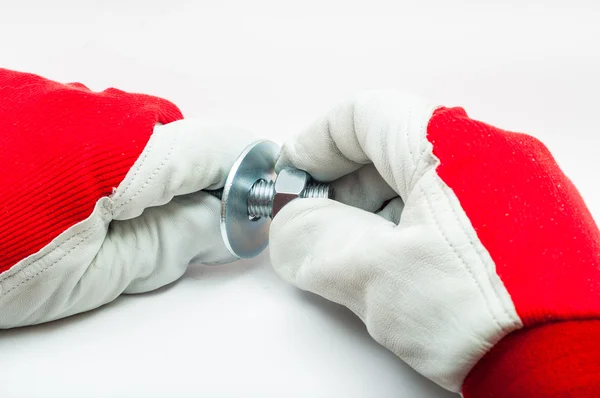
449,235
141,237
400,251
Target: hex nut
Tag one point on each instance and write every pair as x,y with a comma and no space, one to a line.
289,185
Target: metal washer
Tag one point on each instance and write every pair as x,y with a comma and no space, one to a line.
246,238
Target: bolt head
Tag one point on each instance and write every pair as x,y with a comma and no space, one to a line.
289,185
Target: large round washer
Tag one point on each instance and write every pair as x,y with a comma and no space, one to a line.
246,238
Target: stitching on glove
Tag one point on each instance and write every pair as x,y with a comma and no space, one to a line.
334,144
426,145
506,312
363,154
408,136
460,257
138,168
411,156
151,177
91,228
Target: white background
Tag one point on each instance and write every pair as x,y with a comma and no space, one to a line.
238,331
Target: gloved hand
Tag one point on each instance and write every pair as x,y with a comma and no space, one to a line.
464,248
100,195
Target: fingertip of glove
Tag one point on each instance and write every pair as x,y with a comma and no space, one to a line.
291,232
299,211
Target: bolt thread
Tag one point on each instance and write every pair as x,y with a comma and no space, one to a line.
317,190
260,199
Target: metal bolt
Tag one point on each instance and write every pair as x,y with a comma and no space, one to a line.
253,194
262,193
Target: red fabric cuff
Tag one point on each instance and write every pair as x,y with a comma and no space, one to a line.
551,360
62,148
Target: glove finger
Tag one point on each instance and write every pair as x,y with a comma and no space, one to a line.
330,249
131,256
180,158
385,128
364,189
155,249
406,282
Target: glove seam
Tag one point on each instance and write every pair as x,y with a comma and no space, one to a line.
414,161
151,177
439,226
425,145
360,144
502,303
334,144
89,229
479,255
139,166
408,146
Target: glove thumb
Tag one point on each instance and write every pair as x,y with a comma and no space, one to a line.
330,249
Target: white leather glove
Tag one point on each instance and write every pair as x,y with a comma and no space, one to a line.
102,196
446,235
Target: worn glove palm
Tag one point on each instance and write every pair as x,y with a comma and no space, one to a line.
101,195
447,236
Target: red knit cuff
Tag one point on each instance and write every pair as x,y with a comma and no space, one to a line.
552,360
62,148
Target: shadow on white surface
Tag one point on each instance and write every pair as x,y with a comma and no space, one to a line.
221,331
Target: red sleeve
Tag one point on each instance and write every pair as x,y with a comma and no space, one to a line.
551,360
62,147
